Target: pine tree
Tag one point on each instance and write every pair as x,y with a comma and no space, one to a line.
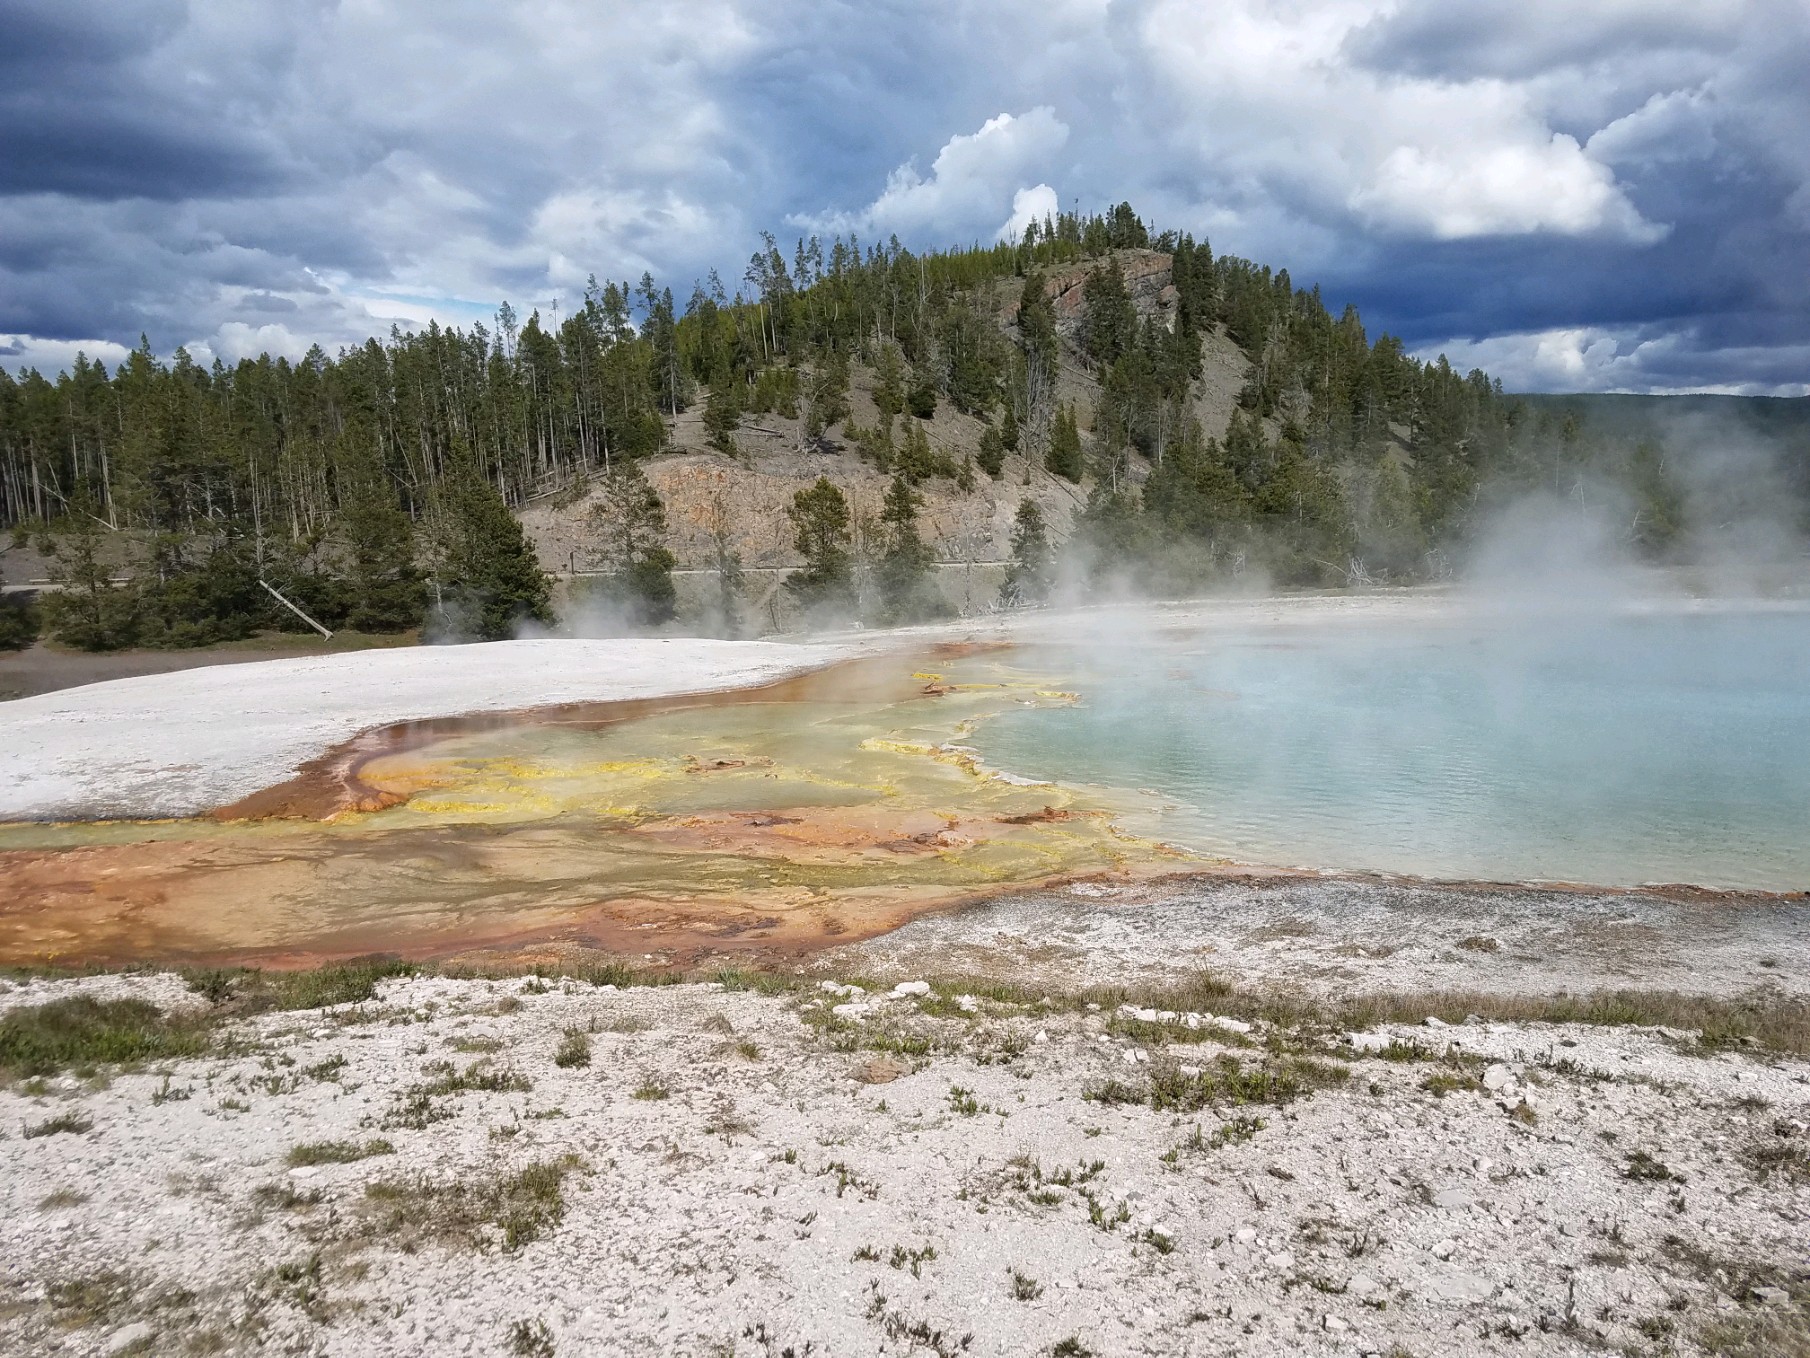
920,399
1028,577
89,612
386,588
1109,322
490,581
907,593
889,381
1064,456
1008,429
1037,324
18,622
827,396
723,414
629,527
992,454
820,520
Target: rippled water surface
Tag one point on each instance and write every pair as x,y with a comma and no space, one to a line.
1670,748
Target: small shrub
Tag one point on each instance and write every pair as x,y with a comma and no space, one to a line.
74,1123
531,1339
650,1090
1644,1167
285,1197
1024,1288
1443,1082
912,1259
1162,1244
1233,1132
574,1049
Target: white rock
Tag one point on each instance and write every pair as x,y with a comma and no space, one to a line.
1283,1259
1335,1324
1452,1199
1432,1022
905,989
1445,1249
1245,1235
1042,1036
1368,1042
1772,1296
126,1336
1459,1288
1231,1025
1129,1056
966,1003
1496,1077
853,1009
304,1172
1362,1285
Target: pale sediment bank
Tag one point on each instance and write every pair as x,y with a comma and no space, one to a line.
181,744
1334,937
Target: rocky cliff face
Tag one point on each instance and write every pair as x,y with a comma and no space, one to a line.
742,500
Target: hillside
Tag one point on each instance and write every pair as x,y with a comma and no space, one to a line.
1180,420
711,497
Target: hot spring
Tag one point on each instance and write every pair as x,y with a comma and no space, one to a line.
1615,750
1669,746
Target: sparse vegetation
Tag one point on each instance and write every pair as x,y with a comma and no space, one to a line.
337,1152
531,1339
506,1210
75,1124
1227,1081
1642,1166
1785,1152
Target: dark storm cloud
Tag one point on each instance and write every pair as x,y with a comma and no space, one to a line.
87,113
1610,193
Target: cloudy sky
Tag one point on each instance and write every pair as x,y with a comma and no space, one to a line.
1573,194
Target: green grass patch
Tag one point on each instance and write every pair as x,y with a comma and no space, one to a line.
337,1152
44,1039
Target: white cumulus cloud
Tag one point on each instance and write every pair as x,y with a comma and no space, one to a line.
971,183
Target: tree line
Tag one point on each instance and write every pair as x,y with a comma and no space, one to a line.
373,487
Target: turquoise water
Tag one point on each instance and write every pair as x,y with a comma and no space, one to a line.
1620,750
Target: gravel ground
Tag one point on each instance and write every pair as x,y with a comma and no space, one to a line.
1333,936
828,1172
